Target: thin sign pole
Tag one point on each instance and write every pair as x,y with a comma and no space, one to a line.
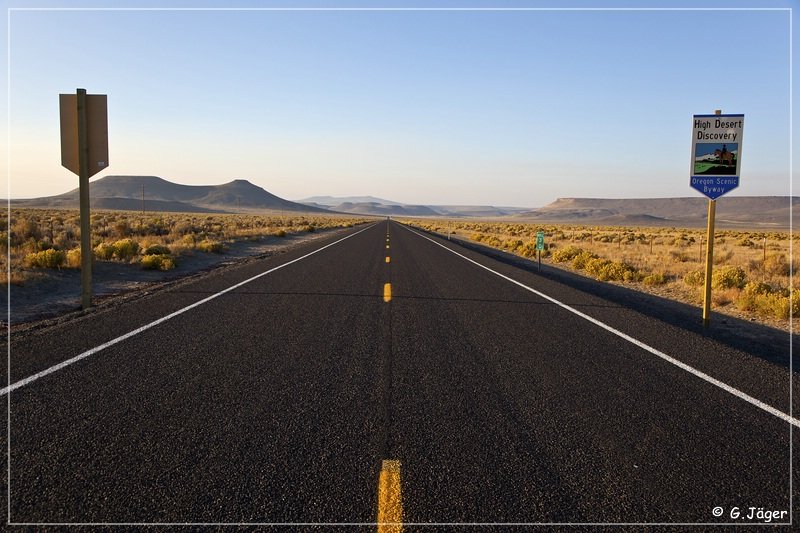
83,181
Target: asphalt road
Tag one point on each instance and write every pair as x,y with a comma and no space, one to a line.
279,400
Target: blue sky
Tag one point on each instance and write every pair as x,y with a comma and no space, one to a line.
459,107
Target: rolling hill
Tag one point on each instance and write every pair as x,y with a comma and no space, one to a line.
125,193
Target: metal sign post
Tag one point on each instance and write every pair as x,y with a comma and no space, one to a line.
84,151
714,171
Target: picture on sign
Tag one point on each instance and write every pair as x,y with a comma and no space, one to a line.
715,158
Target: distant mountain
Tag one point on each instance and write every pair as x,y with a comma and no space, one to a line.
484,211
375,208
125,192
731,211
379,206
332,201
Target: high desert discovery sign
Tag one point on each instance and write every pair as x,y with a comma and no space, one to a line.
716,153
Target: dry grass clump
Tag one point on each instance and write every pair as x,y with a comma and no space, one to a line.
594,265
566,254
210,246
155,249
728,277
157,262
694,278
656,278
50,258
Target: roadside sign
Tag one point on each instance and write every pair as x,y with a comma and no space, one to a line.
540,240
716,154
84,151
97,132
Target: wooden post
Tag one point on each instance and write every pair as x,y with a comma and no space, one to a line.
712,210
83,183
712,207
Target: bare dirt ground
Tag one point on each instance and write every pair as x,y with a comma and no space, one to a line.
57,293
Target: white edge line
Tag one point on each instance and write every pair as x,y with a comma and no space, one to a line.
92,351
702,375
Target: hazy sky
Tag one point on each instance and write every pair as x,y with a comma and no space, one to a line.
459,107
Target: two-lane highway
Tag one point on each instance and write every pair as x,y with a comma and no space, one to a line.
378,376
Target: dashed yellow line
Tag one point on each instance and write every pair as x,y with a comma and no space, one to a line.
387,246
388,260
387,292
390,498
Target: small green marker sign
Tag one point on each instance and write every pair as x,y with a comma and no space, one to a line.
540,240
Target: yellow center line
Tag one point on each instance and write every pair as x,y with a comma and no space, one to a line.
387,292
387,246
388,260
390,498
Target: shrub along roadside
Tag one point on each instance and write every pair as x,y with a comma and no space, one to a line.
50,258
730,283
128,236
